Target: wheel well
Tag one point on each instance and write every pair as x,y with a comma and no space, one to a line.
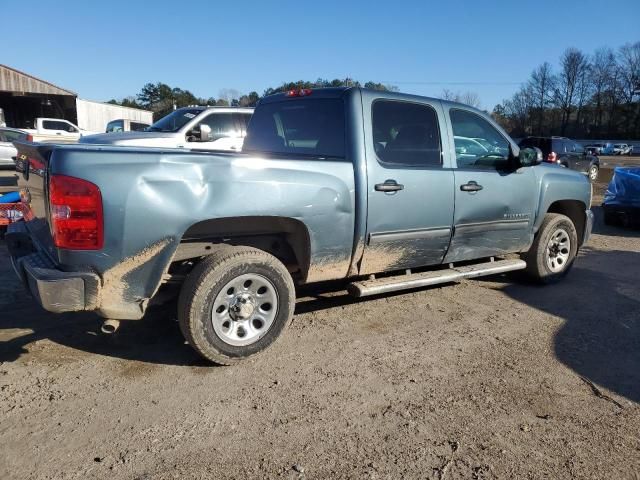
286,239
573,209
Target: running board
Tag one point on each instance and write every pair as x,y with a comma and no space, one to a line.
366,288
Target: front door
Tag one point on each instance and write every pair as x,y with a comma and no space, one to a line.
410,189
495,201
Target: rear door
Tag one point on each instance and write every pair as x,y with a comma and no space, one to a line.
494,201
409,184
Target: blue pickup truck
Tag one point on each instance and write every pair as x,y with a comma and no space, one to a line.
384,191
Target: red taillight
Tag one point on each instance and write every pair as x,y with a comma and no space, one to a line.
29,137
301,92
76,213
552,157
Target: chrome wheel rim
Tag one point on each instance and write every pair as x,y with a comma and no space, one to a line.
244,310
593,173
558,250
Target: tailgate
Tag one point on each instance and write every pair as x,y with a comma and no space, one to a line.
32,162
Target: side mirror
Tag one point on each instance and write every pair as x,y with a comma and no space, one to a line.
205,133
530,156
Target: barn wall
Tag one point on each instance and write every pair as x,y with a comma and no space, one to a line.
94,116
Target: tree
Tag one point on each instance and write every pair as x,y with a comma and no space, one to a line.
573,63
541,83
161,99
603,65
629,61
519,109
469,98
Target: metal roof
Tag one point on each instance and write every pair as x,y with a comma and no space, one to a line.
12,80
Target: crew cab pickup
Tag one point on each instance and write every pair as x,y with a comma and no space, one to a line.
346,184
195,128
55,130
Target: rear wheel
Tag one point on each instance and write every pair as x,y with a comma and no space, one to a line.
554,249
593,173
235,304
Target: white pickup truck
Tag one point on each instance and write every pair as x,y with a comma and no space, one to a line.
194,128
55,130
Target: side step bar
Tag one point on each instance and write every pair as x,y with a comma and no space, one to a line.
366,288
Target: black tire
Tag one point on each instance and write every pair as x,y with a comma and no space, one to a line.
537,258
593,177
204,284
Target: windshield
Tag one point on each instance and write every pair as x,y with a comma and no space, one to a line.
175,120
313,127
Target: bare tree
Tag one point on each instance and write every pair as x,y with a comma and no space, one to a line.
629,61
603,66
228,95
519,108
541,84
469,98
573,63
584,88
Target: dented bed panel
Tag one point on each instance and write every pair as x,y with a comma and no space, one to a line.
152,196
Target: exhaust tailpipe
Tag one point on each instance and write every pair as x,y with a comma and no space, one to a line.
110,326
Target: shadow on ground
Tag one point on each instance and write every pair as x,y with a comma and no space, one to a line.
599,302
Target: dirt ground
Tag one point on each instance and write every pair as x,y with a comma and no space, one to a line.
488,378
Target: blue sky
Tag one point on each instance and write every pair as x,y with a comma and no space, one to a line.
111,49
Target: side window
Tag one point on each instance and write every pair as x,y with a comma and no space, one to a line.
478,144
577,148
406,134
136,127
222,125
115,126
57,125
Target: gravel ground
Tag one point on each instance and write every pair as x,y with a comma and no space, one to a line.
484,379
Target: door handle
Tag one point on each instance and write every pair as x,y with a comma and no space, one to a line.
389,186
472,186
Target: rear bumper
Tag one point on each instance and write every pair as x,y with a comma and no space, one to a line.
588,226
55,290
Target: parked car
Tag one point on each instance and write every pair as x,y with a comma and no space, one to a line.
196,128
125,125
567,153
8,151
343,184
55,130
599,149
622,149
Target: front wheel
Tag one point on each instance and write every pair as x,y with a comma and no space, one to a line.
593,173
553,250
235,304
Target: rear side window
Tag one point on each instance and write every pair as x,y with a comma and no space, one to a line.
313,127
406,134
222,125
136,127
